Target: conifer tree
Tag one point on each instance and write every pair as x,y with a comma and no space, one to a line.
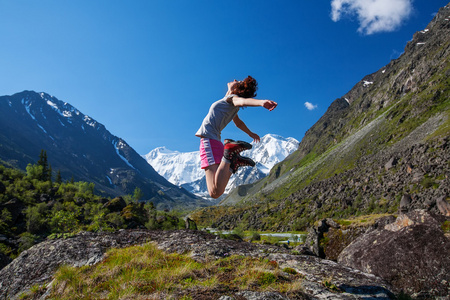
44,163
58,177
138,194
50,171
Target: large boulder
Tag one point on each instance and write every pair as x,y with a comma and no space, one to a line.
321,279
37,264
413,254
328,238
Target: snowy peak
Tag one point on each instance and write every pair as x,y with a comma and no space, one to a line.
38,106
158,152
271,150
183,169
178,168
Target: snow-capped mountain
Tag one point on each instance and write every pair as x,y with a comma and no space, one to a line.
183,168
177,167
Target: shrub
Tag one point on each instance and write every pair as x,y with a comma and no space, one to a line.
290,271
26,241
64,221
266,278
36,218
255,236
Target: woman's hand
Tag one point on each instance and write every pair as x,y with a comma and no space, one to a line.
269,104
255,137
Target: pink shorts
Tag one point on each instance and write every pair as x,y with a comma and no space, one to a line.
211,152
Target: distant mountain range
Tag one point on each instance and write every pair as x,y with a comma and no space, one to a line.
183,168
79,146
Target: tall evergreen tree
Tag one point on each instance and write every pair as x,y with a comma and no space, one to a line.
58,177
50,171
44,163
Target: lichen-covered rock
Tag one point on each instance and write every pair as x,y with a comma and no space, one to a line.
413,254
322,278
443,206
37,264
326,279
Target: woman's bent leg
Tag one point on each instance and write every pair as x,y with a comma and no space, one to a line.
217,177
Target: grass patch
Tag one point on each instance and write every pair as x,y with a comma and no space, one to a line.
446,227
145,270
362,220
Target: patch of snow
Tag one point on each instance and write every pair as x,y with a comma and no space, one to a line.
42,128
367,83
420,44
348,101
109,179
121,145
27,108
384,71
89,121
52,104
67,114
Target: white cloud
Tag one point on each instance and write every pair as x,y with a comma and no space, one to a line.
310,106
373,15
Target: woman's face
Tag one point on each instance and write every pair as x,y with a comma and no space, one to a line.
232,84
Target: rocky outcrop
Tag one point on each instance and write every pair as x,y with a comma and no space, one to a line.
316,235
413,254
328,238
37,264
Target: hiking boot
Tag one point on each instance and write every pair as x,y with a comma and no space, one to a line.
240,161
233,148
226,141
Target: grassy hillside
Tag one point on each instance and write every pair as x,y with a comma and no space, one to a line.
399,113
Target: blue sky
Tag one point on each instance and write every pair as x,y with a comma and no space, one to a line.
149,70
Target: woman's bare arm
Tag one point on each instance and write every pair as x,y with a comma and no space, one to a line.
252,102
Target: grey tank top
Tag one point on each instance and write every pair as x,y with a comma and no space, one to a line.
220,114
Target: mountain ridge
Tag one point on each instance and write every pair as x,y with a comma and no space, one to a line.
79,146
398,114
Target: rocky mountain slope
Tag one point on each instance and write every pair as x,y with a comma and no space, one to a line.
385,139
183,169
79,146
